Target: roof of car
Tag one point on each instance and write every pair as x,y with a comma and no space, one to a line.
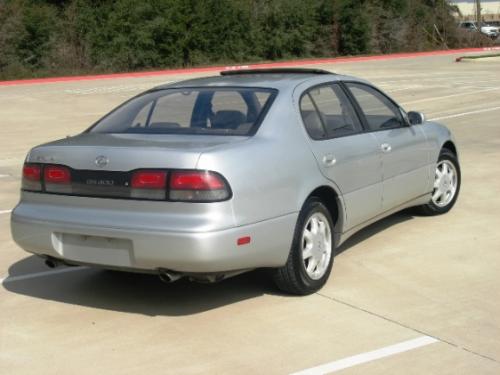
233,72
266,78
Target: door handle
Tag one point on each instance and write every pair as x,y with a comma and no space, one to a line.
385,147
329,160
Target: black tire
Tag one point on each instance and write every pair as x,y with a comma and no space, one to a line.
292,277
431,209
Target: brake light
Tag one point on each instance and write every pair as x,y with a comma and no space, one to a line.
196,181
31,172
56,174
149,180
150,184
147,184
198,186
32,177
57,179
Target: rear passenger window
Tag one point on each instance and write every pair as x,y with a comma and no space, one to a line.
379,111
311,118
141,119
327,113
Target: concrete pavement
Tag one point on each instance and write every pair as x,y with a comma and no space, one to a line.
400,279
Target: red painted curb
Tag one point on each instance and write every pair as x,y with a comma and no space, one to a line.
249,66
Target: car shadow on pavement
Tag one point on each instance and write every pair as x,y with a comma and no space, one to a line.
134,293
377,227
146,294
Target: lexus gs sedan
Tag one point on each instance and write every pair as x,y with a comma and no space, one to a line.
211,177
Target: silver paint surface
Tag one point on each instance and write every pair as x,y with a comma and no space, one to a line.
271,174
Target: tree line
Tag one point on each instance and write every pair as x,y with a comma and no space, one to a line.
44,37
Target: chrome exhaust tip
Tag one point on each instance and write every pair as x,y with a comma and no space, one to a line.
168,276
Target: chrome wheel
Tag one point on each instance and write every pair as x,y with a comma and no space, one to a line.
316,245
445,183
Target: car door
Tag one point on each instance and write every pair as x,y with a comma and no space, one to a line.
345,154
404,147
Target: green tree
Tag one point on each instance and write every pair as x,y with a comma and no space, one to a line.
355,26
41,37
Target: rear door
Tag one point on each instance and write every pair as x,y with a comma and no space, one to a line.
345,155
404,147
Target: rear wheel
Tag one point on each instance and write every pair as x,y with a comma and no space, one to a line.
446,187
311,257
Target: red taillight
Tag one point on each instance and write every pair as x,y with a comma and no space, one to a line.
31,172
196,181
202,186
31,177
148,184
149,180
57,179
56,174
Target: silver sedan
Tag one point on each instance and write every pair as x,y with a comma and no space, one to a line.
215,176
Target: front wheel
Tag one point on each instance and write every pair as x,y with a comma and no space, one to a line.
311,257
447,179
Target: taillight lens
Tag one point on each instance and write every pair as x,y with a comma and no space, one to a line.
148,184
198,186
149,180
57,179
32,177
56,174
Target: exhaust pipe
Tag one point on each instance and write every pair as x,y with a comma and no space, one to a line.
168,276
215,277
53,262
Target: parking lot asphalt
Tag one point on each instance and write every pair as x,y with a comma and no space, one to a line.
409,294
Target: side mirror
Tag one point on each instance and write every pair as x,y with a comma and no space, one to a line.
416,118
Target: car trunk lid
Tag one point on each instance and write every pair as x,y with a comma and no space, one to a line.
103,165
125,152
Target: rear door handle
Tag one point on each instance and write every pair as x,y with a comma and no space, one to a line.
329,160
385,147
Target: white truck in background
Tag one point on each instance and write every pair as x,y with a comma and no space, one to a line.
486,29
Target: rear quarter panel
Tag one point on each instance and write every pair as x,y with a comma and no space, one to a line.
272,173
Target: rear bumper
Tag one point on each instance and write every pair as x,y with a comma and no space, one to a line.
135,248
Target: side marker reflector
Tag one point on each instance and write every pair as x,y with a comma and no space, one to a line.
243,240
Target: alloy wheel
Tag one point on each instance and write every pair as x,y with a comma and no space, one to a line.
316,245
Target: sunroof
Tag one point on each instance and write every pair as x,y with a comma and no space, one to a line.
274,71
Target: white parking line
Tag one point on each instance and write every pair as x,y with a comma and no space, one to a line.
114,89
4,175
465,113
358,359
9,279
5,211
449,96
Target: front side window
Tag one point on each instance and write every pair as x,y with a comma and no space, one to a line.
327,113
218,111
379,111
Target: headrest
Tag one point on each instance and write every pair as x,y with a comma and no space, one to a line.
228,119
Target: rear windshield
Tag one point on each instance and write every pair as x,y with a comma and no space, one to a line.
218,111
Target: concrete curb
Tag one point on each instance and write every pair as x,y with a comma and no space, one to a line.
301,62
479,58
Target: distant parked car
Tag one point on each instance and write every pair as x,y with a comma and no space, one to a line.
211,177
486,29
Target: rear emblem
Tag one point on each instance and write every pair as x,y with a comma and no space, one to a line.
101,161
